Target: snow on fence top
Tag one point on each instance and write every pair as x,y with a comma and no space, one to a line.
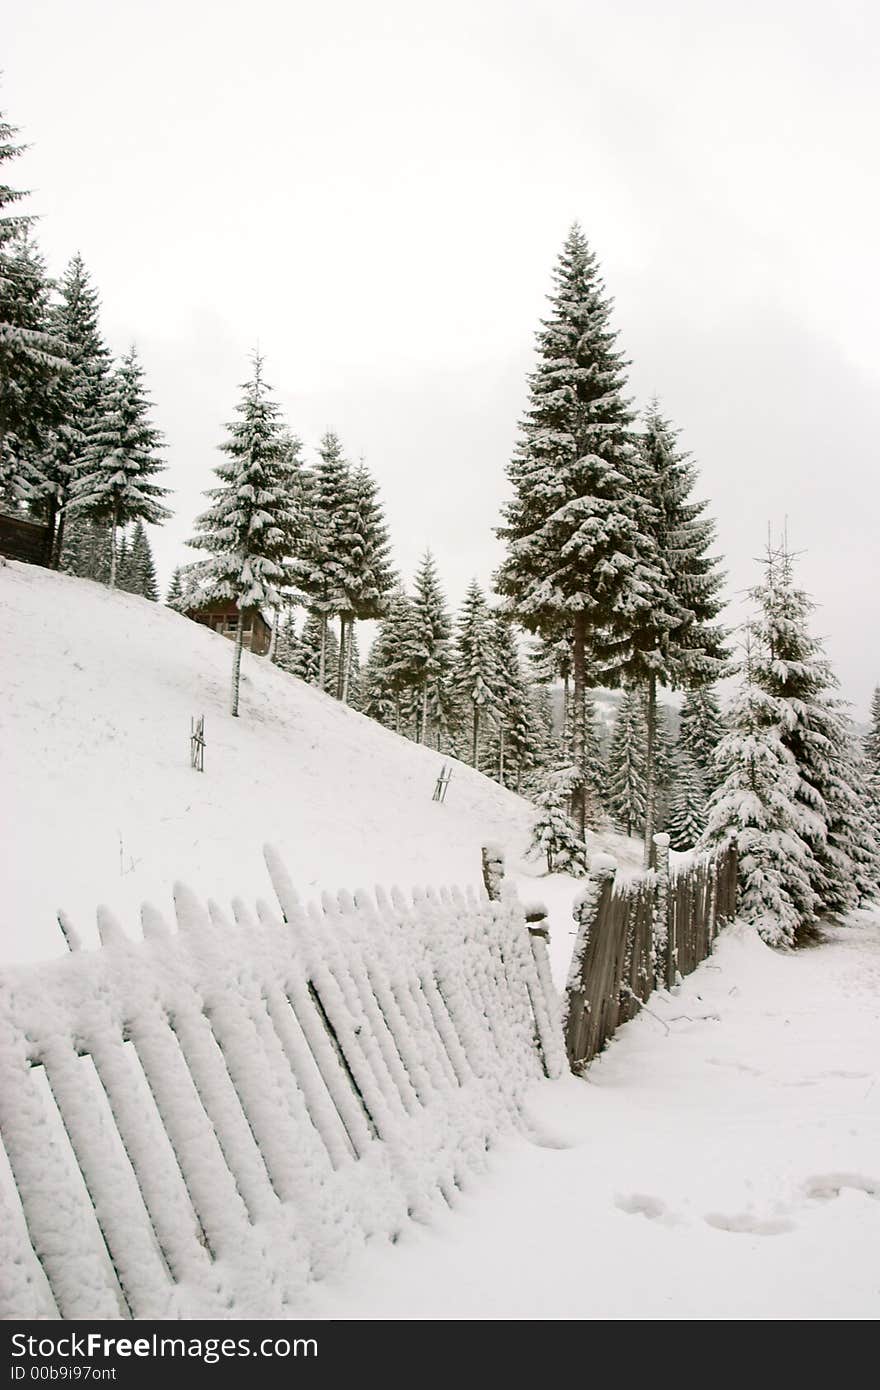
200,1122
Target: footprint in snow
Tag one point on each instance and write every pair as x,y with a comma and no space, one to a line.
828,1185
746,1224
641,1204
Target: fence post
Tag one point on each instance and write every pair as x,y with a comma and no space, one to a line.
585,912
493,870
713,898
664,927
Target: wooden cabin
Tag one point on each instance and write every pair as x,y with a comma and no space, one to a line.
23,538
222,617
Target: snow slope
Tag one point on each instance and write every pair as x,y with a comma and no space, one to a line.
720,1160
100,803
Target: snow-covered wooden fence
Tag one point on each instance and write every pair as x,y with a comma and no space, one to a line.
199,1122
638,935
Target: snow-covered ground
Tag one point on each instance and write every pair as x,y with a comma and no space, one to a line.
721,1160
100,803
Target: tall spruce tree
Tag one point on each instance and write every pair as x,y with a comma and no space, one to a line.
32,372
872,749
687,808
433,628
287,648
511,751
175,588
76,322
392,673
627,773
675,641
318,651
321,568
248,527
363,574
754,809
115,482
31,357
475,670
137,570
701,726
571,528
791,666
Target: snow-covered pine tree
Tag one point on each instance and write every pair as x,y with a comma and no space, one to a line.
675,640
137,571
571,528
87,546
701,726
248,528
321,570
31,358
474,669
791,665
364,577
627,778
191,586
872,750
754,809
553,836
31,371
76,324
687,808
115,482
547,751
175,588
434,631
872,737
391,676
512,748
316,640
287,646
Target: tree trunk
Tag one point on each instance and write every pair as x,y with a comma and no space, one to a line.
58,544
236,663
475,745
423,716
322,660
343,649
501,755
650,779
346,662
113,527
397,715
273,640
578,733
565,704
52,522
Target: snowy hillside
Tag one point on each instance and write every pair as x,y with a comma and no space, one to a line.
101,805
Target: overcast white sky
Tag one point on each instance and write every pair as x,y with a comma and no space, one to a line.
376,193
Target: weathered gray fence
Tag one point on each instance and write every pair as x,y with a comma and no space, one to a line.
199,1122
639,935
